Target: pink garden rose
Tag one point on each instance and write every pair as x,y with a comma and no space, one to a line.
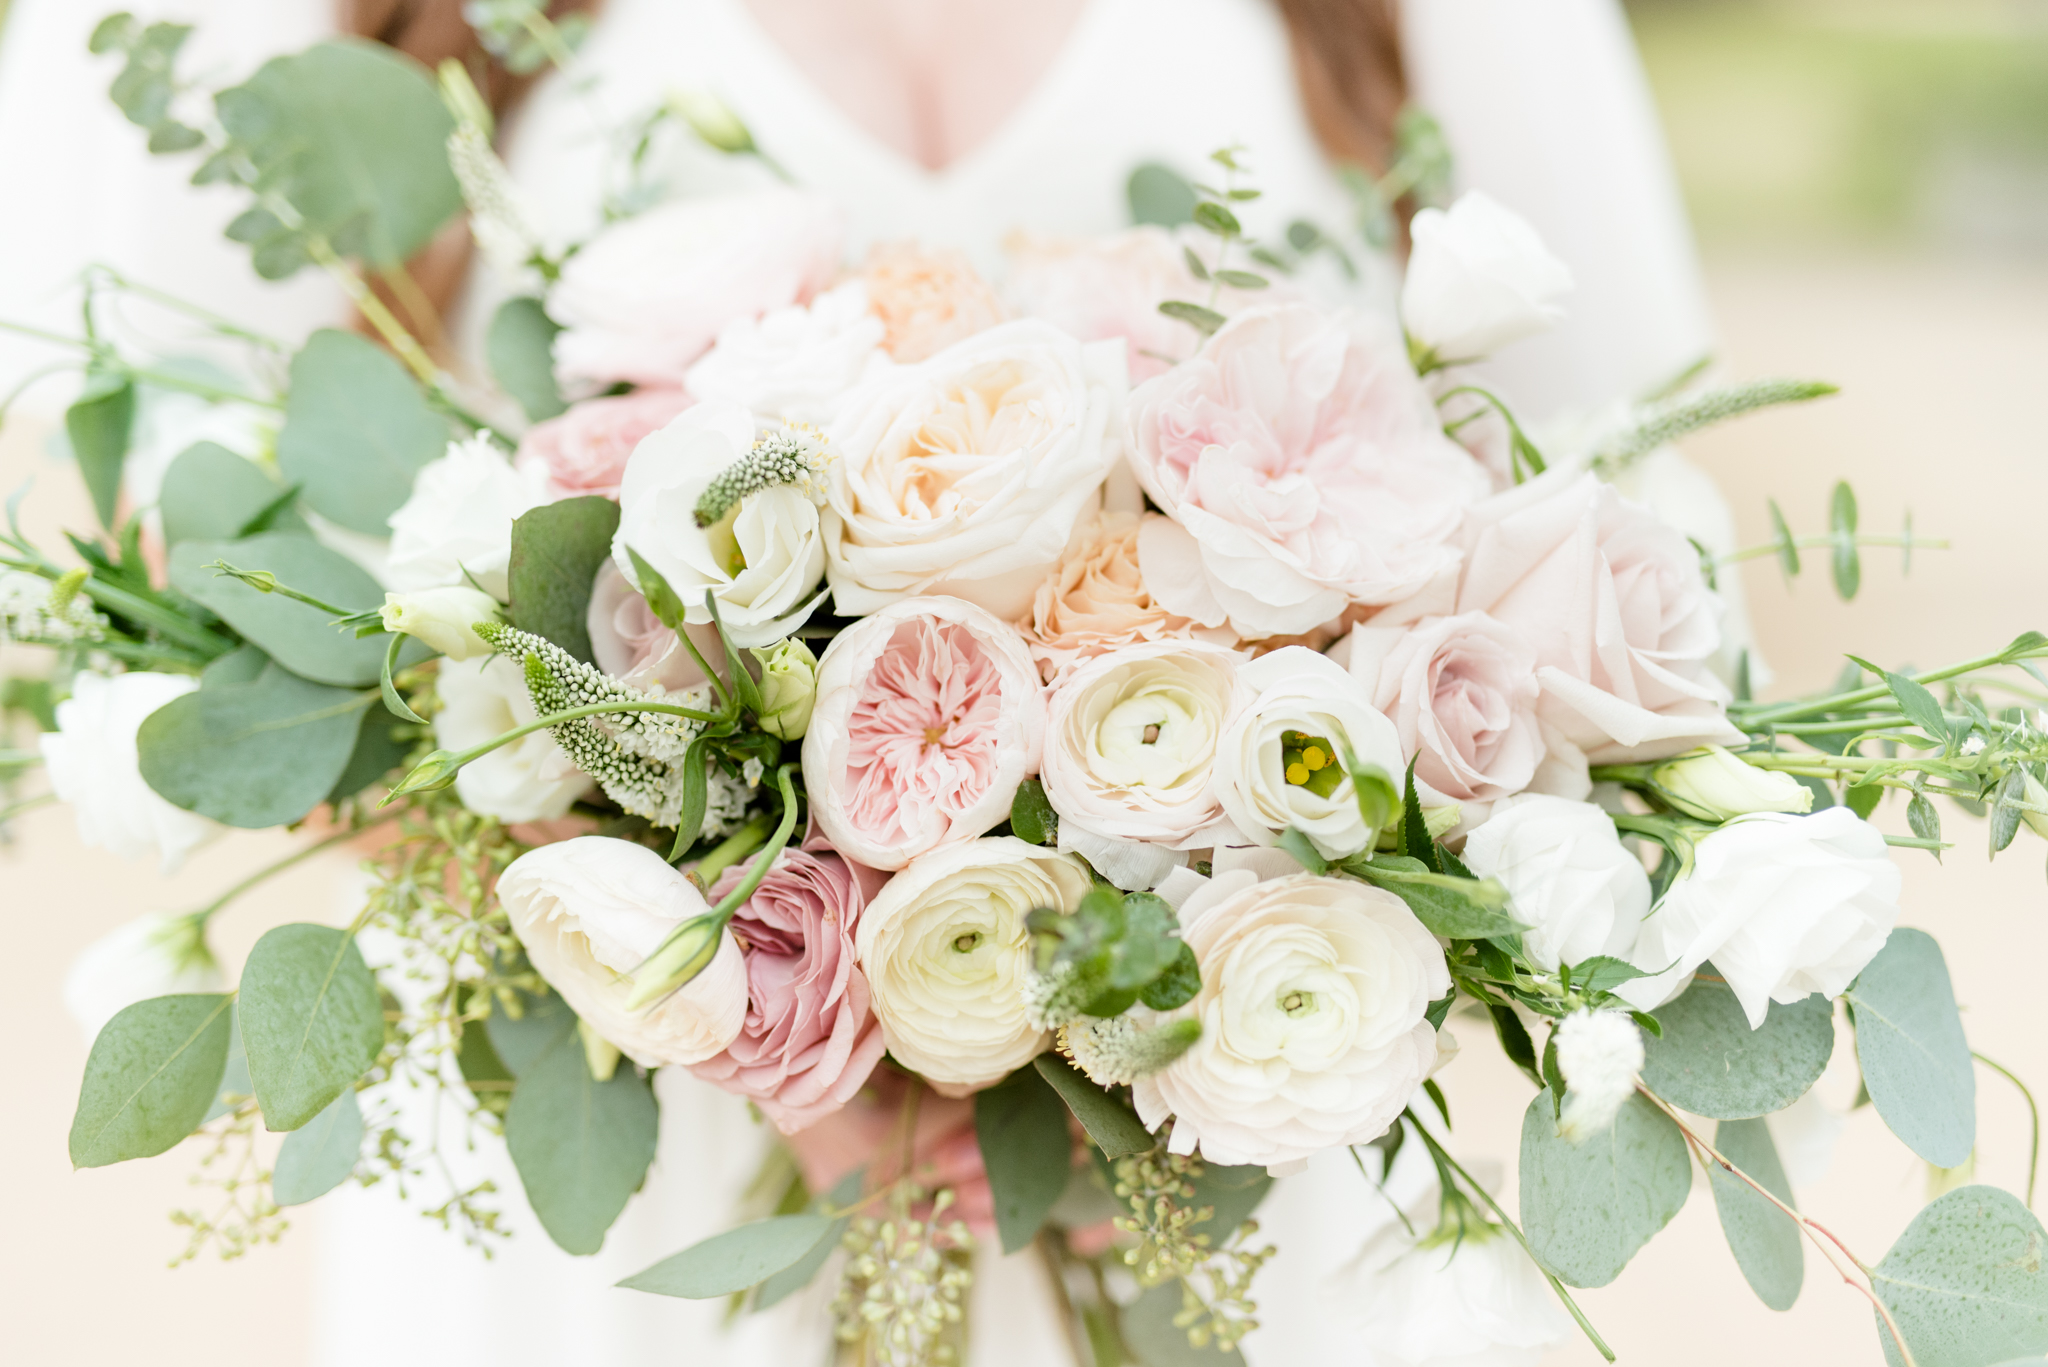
647,296
1304,469
584,450
928,715
629,643
1461,691
810,1040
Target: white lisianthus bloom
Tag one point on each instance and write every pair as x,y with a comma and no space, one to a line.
968,473
589,911
1479,278
1312,1001
530,779
154,955
794,364
1570,880
92,765
947,957
1266,775
1599,1053
456,528
762,560
1784,905
1130,753
1714,785
1456,1299
444,618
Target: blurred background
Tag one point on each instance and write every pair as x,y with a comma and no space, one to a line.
1869,180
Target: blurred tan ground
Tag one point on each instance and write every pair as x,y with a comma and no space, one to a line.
1941,367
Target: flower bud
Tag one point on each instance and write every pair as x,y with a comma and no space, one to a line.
437,770
444,618
712,120
789,686
687,952
1714,785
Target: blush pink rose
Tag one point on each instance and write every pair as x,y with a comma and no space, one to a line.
809,1041
1461,692
629,643
584,451
928,715
1304,471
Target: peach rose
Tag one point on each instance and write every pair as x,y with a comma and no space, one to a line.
1096,600
1461,691
584,450
927,299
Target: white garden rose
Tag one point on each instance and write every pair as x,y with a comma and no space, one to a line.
92,765
967,473
1312,1001
1478,278
456,528
1714,785
1274,763
794,364
444,618
589,911
1131,741
762,560
1570,880
1785,906
155,955
947,957
531,779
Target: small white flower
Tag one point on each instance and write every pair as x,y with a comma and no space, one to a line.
1973,746
1478,278
1599,1053
456,528
91,761
31,609
1714,785
154,955
444,618
530,779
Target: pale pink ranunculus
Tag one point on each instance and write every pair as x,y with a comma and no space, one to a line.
1096,600
584,450
628,642
1304,469
648,295
810,1039
1612,599
928,715
1461,691
927,299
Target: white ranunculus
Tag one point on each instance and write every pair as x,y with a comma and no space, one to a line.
1301,701
967,473
1785,906
1473,1301
1130,755
794,364
154,955
92,765
763,560
589,911
531,779
444,618
1569,878
456,528
1714,785
1478,278
1600,1053
946,954
1312,1001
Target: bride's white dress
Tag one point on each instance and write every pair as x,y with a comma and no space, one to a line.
1545,108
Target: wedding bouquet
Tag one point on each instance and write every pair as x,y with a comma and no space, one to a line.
1149,701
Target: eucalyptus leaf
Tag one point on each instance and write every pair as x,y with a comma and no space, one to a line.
582,1147
153,1071
297,635
520,1041
255,754
1909,1039
798,1274
1113,1126
557,550
1032,818
1232,1194
311,1020
1787,544
210,494
1159,194
735,1260
1587,1207
520,347
320,1156
1848,560
1764,1239
234,1082
1203,320
356,431
1967,1282
1711,1063
378,750
98,426
1022,1129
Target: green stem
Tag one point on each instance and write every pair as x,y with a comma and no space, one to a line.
27,804
440,761
1747,716
167,622
737,898
2033,1111
1822,543
374,313
205,914
732,849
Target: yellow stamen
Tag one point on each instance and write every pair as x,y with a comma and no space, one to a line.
1297,773
1314,758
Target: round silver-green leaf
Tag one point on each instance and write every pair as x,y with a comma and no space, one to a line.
311,1020
735,1260
1967,1282
356,431
1587,1207
1909,1039
152,1073
1711,1063
1764,1239
582,1146
254,755
319,1157
297,635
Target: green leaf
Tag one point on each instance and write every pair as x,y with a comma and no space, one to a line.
1967,1282
114,31
152,1073
1514,1039
1303,850
318,1158
1588,1207
1923,818
1604,973
378,751
1176,985
798,1274
253,755
1415,841
1113,1126
99,425
1195,265
520,1042
1764,1239
1711,1063
1159,194
1148,1331
1848,563
582,1146
1862,798
1233,1193
356,431
557,550
1214,218
696,796
1022,1127
521,350
733,1261
1244,280
661,599
1203,320
299,636
311,1020
1453,907
1032,818
1788,545
353,136
1909,1039
210,494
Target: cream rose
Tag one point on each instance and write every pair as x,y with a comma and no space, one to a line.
530,779
1096,601
946,954
589,911
1312,1001
795,363
967,474
1275,763
1462,695
1570,880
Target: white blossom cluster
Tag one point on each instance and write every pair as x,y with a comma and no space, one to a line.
33,609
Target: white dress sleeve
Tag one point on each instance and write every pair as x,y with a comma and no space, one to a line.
1546,107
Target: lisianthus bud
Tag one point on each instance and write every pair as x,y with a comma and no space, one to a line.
711,119
789,685
687,952
1712,784
1479,277
1599,1053
444,618
436,771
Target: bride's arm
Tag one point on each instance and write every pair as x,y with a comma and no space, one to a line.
1547,110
